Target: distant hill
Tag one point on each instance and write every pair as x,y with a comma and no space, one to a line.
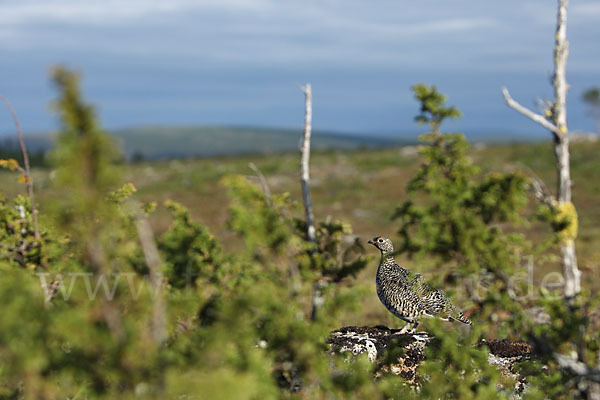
201,141
37,145
163,142
155,142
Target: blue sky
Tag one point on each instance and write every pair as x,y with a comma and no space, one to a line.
239,62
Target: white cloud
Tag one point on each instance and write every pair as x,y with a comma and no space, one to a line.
105,12
30,12
464,34
254,31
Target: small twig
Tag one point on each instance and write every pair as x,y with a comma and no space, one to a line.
539,191
294,272
530,114
537,187
263,183
27,170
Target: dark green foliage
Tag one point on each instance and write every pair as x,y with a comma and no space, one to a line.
276,238
23,335
454,218
458,213
18,245
264,223
457,369
271,231
592,98
467,223
238,323
85,173
572,328
454,212
81,146
333,260
190,251
433,108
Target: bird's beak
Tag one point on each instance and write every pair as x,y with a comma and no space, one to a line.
371,242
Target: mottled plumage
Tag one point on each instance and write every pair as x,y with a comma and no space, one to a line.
406,294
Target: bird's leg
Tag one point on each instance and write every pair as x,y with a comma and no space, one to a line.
405,329
414,327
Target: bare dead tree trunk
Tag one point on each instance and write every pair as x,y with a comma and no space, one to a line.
305,176
319,285
26,171
561,145
556,122
154,263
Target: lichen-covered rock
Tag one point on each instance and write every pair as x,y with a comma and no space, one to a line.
374,340
505,354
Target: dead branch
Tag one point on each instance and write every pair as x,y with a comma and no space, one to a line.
540,119
27,170
540,192
537,187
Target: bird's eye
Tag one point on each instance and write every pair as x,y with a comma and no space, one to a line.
380,240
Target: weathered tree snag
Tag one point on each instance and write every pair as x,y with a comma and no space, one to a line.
305,175
555,120
311,234
561,145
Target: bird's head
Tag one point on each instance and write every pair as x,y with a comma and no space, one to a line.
382,243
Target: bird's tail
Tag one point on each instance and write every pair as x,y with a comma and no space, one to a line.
463,319
454,315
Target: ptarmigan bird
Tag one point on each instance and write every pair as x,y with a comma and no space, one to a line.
406,294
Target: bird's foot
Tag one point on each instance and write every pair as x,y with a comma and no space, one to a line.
407,330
